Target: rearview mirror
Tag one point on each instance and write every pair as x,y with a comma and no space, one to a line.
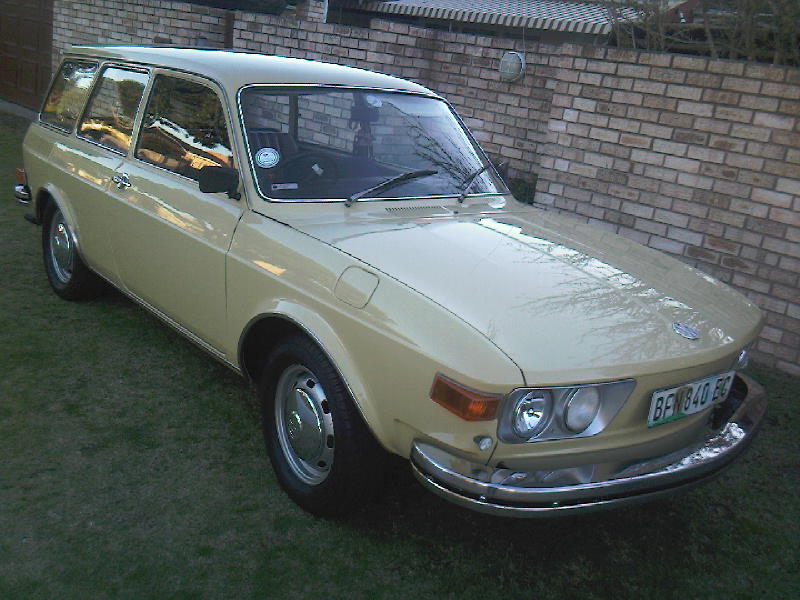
213,180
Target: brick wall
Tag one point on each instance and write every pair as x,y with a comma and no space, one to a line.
696,157
136,22
312,10
699,158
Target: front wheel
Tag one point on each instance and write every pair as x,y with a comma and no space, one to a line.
324,456
68,275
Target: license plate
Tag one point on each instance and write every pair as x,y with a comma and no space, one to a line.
675,403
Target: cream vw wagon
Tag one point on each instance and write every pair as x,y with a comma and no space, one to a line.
338,238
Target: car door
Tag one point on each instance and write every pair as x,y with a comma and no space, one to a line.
169,238
87,163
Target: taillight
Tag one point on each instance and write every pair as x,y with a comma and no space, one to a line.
468,404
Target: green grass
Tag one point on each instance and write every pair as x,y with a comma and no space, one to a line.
132,466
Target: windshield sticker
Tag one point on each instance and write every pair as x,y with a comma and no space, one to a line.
284,186
266,158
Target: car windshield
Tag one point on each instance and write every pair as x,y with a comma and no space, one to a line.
311,144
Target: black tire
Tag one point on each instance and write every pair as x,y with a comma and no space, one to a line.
68,275
334,465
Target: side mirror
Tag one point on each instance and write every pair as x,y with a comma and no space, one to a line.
213,180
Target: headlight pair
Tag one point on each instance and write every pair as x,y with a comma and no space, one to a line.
532,411
529,415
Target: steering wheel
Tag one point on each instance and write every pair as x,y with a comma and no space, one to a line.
309,166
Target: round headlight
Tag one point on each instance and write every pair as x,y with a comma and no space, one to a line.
531,414
581,408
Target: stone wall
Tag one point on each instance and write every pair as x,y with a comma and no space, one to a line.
699,158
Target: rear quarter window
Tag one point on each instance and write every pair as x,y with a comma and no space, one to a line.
68,94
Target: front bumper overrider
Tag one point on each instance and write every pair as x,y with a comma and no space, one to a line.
519,494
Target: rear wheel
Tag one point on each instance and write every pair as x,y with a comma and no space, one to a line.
324,456
68,275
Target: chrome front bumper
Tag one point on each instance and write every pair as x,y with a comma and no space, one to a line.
517,494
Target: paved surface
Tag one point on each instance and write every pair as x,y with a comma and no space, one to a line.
18,110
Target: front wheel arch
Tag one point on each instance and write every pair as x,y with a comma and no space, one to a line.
266,330
354,464
260,337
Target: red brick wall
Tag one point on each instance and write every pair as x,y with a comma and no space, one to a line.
699,158
136,22
696,157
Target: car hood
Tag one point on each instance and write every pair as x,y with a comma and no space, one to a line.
559,297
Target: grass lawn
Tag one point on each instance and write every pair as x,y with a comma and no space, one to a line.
133,467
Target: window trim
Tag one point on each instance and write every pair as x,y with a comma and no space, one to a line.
201,80
137,117
264,197
77,59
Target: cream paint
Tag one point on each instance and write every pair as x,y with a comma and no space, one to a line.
170,243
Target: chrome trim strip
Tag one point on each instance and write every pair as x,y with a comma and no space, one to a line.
99,145
185,332
641,481
203,345
52,127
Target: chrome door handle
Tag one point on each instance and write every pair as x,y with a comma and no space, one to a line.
121,180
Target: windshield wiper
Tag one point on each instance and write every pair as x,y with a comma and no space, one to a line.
389,183
471,178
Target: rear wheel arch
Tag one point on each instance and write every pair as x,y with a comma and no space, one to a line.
44,197
66,272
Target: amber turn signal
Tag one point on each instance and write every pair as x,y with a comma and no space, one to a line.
468,404
19,173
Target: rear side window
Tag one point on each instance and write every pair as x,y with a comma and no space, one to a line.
68,94
184,128
112,108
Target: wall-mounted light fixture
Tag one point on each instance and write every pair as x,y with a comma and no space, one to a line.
512,66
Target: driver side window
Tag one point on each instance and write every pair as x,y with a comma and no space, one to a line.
184,128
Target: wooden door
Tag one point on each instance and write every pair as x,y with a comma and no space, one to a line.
26,45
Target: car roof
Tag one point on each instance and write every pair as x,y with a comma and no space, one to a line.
234,69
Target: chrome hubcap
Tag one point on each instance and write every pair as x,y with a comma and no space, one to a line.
62,250
304,424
